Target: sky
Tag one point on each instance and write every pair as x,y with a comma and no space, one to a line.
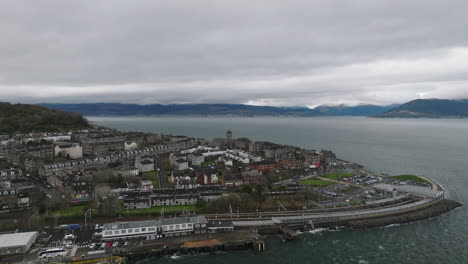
280,53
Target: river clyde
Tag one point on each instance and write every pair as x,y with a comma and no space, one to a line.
436,148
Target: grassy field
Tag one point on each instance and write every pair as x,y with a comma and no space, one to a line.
412,178
155,183
314,182
157,209
349,188
339,175
72,211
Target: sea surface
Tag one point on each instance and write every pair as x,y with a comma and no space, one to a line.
437,148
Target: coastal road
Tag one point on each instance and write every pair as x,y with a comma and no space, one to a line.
161,174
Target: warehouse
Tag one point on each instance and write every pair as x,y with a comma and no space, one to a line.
16,243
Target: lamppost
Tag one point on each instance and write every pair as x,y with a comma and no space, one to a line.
86,214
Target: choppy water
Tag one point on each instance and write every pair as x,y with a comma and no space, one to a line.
436,148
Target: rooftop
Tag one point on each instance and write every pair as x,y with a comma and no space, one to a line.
16,239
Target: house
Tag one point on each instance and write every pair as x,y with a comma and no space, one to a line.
70,150
101,146
146,185
233,180
206,176
130,145
180,164
82,189
313,158
196,159
253,177
144,163
264,166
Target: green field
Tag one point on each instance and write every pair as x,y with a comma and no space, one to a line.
412,178
155,183
314,182
158,209
72,211
349,188
339,175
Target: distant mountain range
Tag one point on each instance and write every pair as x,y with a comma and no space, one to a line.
432,108
417,108
359,110
111,109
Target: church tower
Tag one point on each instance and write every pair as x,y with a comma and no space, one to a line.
229,139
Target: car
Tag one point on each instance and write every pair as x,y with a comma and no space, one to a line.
103,245
96,227
92,246
125,244
116,244
109,244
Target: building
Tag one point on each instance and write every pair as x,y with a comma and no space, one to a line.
44,152
229,139
101,146
16,243
130,145
196,160
70,150
264,166
152,229
82,189
233,180
144,163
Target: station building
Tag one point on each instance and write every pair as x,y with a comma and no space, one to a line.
152,229
16,243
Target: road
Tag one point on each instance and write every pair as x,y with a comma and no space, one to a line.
161,174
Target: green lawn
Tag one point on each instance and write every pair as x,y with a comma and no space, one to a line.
157,209
349,188
339,175
206,163
72,211
149,173
155,183
413,178
315,182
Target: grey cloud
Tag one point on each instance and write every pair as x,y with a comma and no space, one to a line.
259,52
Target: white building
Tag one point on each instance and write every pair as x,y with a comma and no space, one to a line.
73,151
130,145
16,243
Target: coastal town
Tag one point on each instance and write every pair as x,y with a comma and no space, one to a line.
100,195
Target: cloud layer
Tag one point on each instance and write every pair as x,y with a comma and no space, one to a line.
302,53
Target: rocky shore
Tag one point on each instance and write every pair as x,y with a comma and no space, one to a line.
436,209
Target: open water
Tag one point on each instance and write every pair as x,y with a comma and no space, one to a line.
437,148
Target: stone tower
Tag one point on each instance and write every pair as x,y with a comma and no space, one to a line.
229,139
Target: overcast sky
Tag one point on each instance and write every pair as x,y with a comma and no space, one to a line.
285,53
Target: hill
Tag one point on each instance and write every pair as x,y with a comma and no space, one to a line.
359,110
26,118
113,109
433,108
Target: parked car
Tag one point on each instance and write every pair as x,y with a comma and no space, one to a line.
103,245
92,246
125,244
116,244
109,244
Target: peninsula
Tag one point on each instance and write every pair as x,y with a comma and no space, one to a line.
94,194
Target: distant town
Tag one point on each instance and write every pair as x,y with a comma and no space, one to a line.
100,195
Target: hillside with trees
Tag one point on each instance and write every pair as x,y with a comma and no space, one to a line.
26,118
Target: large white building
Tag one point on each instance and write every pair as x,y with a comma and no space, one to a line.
71,150
152,229
16,243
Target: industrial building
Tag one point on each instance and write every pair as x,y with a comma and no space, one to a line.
16,243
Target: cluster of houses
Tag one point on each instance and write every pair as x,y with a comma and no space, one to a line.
69,161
